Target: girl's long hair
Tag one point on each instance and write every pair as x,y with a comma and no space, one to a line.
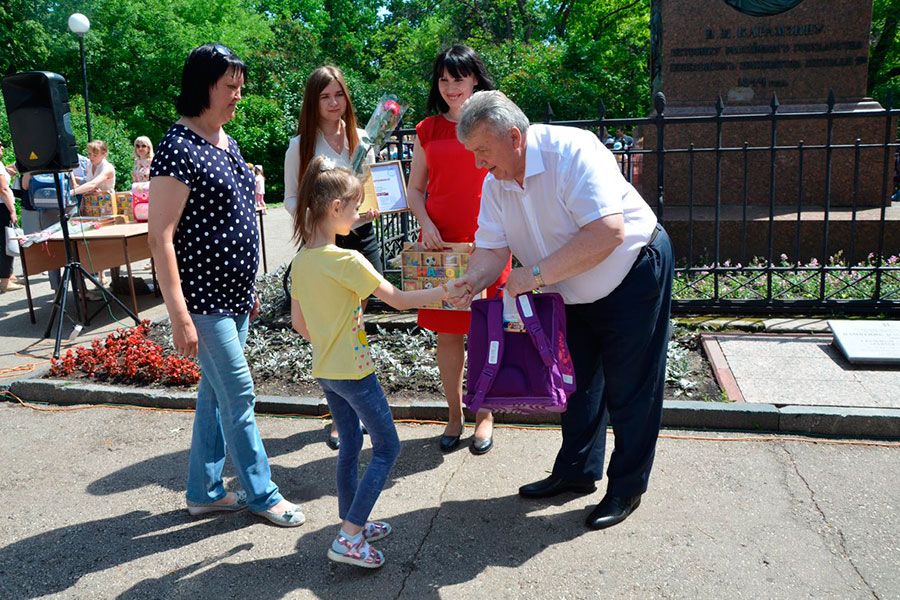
322,183
308,125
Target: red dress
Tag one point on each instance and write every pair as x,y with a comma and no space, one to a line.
453,201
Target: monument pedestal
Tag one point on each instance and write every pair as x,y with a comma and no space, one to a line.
746,175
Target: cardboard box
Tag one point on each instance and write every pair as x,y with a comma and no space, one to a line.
422,268
98,205
123,206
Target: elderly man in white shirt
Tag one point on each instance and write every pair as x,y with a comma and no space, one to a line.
556,199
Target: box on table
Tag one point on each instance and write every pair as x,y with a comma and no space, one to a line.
123,206
422,268
98,205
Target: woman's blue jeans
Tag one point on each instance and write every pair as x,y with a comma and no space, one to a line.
352,401
224,417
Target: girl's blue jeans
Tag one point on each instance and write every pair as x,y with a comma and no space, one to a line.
351,402
224,417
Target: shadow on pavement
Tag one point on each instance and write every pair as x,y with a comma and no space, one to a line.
303,483
417,566
54,561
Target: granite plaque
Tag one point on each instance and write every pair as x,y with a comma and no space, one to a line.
868,342
746,50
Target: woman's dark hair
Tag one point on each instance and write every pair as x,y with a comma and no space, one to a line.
202,69
460,61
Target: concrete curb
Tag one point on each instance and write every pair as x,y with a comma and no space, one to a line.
679,414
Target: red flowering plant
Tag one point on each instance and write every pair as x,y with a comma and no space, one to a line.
127,355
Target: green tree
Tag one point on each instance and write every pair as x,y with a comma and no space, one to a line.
884,54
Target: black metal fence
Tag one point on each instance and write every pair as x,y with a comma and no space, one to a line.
786,211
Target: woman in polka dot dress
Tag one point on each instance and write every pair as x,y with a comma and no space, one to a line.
326,311
205,242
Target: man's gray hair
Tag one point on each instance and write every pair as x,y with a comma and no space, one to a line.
493,109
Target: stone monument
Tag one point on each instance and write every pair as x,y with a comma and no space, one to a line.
744,52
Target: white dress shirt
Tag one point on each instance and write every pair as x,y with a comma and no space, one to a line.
571,179
323,148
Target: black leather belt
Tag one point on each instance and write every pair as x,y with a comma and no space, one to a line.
652,239
655,233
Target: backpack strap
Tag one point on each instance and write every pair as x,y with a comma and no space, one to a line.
528,313
494,355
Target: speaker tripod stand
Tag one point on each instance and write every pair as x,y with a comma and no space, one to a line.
75,273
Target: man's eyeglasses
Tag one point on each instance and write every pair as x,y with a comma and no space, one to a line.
141,146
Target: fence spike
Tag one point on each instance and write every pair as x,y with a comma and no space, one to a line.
601,110
659,103
775,103
831,100
548,116
890,99
720,105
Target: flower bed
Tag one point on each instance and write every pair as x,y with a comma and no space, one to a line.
280,359
127,356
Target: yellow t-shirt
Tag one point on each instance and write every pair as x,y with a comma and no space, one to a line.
329,283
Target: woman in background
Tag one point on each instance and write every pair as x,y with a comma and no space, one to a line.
327,127
143,157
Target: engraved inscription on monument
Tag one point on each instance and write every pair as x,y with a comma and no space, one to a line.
746,50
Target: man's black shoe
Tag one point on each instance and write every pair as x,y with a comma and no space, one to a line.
612,510
554,485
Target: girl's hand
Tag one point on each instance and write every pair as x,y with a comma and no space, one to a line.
254,312
369,216
184,337
454,289
431,237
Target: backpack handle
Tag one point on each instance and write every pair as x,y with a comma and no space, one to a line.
525,305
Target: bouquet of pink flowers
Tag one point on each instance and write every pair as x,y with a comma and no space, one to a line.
384,120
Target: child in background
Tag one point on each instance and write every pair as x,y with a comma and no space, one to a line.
260,187
327,285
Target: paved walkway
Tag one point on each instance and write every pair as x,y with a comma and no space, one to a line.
93,507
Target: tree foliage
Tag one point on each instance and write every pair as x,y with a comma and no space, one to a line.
568,54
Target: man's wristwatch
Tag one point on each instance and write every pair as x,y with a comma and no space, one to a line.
536,272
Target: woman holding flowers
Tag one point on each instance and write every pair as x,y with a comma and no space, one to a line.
445,194
327,127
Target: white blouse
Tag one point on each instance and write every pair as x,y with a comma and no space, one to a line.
323,148
105,187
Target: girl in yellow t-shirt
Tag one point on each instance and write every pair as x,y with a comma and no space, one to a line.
327,286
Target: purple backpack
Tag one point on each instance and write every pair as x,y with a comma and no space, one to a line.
518,372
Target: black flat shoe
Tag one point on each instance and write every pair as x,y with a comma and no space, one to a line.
612,510
333,442
481,446
553,485
449,443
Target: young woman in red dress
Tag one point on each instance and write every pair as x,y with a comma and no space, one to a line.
444,192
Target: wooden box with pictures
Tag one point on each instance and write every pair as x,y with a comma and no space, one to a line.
423,268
